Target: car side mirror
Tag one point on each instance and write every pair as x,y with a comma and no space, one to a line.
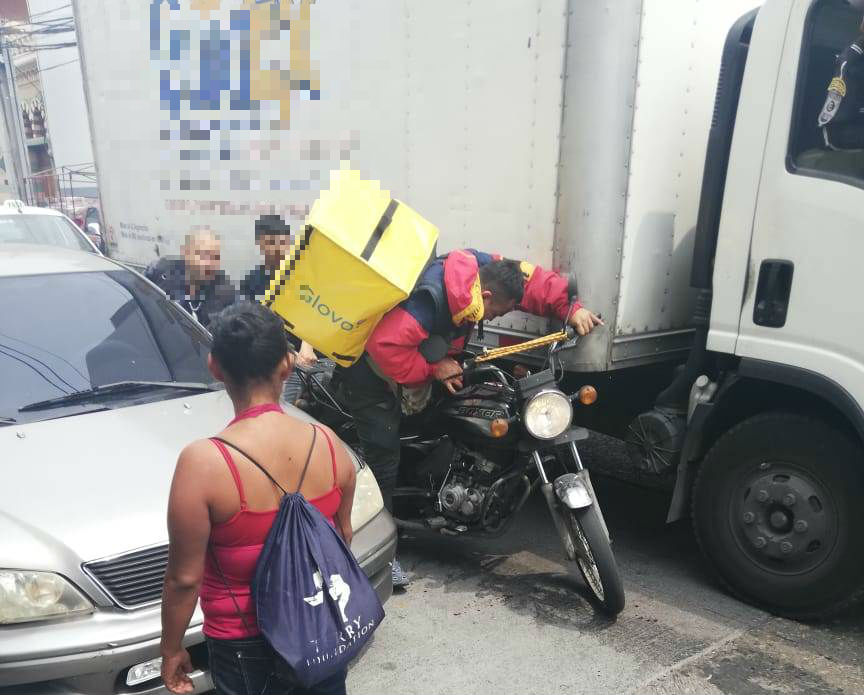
94,228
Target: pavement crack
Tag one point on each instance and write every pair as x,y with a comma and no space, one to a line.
640,688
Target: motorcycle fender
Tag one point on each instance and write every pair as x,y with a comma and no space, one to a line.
570,549
572,491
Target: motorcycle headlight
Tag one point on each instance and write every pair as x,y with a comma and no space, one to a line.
547,415
27,596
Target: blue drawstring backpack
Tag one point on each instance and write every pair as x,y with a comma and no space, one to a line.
314,604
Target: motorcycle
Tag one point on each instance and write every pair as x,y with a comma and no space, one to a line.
471,460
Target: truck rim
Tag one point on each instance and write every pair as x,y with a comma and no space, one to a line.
784,518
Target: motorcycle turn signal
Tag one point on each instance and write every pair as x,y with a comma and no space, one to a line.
587,395
499,427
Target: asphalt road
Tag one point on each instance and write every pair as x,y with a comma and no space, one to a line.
505,617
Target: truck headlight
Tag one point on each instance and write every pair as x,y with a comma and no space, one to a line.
368,501
27,596
548,414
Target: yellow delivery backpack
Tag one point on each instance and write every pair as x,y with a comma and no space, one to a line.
360,255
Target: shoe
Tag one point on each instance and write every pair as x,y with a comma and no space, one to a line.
400,579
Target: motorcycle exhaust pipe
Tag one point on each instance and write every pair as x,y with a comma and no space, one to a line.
403,525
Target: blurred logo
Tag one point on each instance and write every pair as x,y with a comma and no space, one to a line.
249,52
229,74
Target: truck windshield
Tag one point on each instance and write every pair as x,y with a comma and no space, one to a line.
67,333
48,230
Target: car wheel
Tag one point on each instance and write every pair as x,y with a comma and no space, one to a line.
776,511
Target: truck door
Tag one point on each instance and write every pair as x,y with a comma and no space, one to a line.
802,303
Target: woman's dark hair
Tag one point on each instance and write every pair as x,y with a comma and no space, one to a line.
248,341
503,279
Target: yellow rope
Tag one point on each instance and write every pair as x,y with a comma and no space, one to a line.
495,353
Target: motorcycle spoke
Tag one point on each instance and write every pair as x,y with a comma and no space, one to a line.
587,565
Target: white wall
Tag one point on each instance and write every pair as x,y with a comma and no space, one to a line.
63,87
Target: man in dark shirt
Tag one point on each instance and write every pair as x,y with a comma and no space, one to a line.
195,280
273,238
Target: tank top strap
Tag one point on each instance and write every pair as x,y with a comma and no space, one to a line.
332,451
257,410
234,472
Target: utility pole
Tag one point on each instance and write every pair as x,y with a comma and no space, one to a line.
15,142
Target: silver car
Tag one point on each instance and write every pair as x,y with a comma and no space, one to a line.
103,380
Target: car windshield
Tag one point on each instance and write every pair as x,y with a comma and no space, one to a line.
67,333
48,230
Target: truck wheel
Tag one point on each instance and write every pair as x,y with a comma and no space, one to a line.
776,511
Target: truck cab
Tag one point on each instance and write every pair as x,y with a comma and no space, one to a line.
772,458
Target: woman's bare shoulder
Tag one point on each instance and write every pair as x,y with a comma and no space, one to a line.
198,455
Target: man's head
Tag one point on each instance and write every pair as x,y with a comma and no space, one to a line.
502,286
202,253
273,236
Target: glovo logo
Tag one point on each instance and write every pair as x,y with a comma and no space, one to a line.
313,299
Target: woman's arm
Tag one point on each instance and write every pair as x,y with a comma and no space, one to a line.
346,479
188,534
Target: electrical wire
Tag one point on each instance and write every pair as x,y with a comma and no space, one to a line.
49,24
39,71
49,47
26,29
59,65
3,349
56,9
47,352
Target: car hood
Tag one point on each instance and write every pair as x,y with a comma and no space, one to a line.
95,485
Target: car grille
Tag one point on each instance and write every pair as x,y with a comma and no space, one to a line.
134,579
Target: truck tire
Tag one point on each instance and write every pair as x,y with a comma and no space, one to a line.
777,513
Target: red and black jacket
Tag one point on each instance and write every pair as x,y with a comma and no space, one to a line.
446,302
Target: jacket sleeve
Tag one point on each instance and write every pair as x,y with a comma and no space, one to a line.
226,294
395,347
546,293
153,271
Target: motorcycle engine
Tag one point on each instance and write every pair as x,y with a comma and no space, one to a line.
464,491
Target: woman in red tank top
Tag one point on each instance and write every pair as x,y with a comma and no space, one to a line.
223,503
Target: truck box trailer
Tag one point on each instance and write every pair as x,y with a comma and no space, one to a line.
668,155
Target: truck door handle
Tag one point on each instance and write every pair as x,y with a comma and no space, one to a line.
772,293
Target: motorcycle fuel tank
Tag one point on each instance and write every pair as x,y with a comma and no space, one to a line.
471,414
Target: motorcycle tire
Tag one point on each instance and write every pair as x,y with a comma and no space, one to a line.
600,572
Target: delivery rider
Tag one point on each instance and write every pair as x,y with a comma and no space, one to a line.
412,346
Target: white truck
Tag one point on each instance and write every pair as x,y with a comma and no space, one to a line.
666,154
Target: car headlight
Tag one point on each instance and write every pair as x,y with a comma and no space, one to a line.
27,596
548,414
368,501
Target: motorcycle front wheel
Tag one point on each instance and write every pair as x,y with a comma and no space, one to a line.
594,558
